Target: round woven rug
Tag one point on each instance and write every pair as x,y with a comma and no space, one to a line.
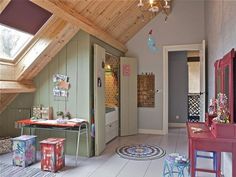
140,152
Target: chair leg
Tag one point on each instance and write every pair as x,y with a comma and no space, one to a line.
164,170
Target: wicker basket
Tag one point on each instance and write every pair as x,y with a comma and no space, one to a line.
5,145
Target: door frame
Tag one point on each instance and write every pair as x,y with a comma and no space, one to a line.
166,50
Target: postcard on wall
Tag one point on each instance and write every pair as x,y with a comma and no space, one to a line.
126,70
61,85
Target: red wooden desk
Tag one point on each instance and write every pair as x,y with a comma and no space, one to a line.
206,141
53,125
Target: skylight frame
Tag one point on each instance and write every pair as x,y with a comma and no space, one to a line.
21,49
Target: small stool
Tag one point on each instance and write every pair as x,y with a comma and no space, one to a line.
175,163
52,154
24,150
213,157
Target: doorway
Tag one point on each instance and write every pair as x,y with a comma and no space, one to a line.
193,61
191,47
112,95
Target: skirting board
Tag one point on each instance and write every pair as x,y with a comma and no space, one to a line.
151,131
177,125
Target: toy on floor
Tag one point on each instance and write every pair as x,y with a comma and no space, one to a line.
175,164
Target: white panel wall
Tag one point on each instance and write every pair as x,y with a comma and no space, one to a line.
185,25
221,35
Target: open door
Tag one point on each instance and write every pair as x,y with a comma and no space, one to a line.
202,81
99,99
128,96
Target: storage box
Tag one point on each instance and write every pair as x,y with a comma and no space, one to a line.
222,130
52,154
5,145
24,150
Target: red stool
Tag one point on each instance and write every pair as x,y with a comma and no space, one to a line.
52,154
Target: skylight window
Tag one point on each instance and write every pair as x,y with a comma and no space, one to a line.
12,42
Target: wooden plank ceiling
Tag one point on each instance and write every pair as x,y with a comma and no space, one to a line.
113,21
119,18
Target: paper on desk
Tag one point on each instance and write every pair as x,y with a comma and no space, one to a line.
77,120
47,121
196,130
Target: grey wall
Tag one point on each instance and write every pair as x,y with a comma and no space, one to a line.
18,109
178,87
185,25
221,35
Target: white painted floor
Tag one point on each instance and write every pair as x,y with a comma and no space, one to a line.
109,164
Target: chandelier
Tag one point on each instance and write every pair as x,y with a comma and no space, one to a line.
155,6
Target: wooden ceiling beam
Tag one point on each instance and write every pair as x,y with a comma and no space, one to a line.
55,46
55,36
7,71
16,87
3,4
85,24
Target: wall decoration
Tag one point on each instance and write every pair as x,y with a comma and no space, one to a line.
61,85
36,112
151,42
40,112
126,70
146,90
46,113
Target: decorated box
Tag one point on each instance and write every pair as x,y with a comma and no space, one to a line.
52,154
24,150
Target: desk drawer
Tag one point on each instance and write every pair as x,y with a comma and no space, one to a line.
214,146
111,131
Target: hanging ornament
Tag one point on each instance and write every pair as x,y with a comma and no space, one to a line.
151,42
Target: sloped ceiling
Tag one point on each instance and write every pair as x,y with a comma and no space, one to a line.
113,21
120,18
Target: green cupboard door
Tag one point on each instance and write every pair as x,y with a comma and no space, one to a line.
128,96
99,98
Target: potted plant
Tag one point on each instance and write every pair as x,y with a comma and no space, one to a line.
60,114
67,115
221,126
222,109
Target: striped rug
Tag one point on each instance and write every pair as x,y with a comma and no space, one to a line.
7,170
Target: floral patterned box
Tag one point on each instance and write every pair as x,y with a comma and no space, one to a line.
52,154
24,150
5,145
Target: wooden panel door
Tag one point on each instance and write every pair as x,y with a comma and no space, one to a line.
128,96
99,99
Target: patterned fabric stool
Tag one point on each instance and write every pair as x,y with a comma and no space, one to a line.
52,154
24,150
175,164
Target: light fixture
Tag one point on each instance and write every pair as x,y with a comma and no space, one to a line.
155,7
108,68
